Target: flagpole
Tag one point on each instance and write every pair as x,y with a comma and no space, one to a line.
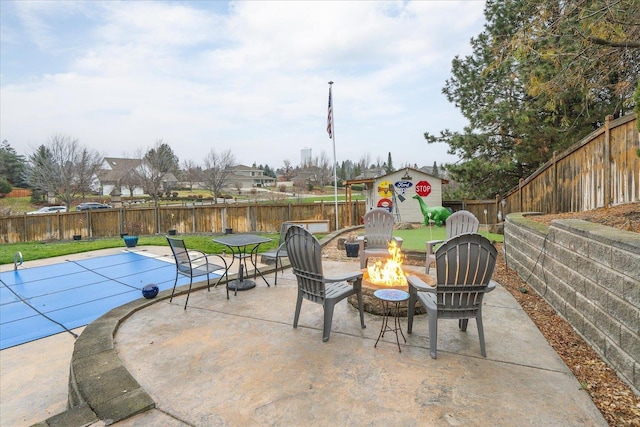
333,137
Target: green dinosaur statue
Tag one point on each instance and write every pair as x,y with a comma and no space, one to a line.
437,214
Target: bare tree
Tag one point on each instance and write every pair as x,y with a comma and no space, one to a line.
379,162
64,168
217,168
299,184
274,196
131,180
86,169
325,171
365,162
287,170
157,162
238,186
191,172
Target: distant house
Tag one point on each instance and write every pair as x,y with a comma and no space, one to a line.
247,177
114,171
371,173
124,174
309,175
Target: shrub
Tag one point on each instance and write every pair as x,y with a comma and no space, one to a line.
5,187
134,228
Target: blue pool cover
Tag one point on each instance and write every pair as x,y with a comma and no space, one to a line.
74,293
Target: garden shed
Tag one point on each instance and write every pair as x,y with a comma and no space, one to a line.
405,193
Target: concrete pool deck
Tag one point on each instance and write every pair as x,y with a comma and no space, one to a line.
240,362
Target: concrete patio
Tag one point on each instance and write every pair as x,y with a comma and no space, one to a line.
240,362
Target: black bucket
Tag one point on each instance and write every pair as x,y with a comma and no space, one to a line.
352,249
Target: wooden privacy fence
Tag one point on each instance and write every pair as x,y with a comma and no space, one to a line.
601,170
19,192
242,218
487,211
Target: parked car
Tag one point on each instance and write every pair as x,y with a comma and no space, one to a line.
91,205
48,209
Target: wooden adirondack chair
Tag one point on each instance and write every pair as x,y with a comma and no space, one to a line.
459,222
464,266
378,230
305,255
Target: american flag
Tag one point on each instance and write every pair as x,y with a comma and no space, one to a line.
330,116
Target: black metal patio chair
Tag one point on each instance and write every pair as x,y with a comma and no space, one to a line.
192,263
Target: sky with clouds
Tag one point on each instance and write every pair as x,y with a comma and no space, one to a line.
249,77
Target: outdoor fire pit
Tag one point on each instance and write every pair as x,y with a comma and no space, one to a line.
388,273
374,306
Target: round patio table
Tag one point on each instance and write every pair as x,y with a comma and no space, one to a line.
388,297
243,246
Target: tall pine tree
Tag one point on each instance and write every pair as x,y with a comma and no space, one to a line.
528,89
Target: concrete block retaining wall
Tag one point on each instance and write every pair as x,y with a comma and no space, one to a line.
591,275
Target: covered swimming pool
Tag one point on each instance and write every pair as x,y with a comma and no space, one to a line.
41,301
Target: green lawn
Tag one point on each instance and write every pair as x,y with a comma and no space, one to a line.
40,250
17,205
413,240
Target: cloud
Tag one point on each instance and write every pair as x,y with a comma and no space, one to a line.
251,77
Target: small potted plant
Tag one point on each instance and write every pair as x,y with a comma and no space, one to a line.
78,236
352,246
172,231
133,230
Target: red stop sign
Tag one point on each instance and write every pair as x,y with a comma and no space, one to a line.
423,188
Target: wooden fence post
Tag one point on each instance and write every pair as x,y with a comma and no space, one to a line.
607,162
554,203
520,181
120,220
89,224
156,219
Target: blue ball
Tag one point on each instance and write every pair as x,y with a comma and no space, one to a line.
150,291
